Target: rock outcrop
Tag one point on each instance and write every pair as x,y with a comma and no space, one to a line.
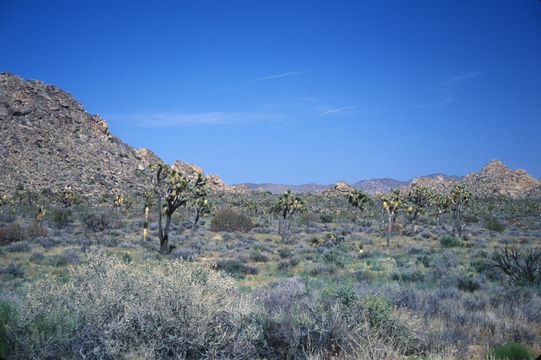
48,141
496,179
341,188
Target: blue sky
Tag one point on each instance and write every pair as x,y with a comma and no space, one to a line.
297,91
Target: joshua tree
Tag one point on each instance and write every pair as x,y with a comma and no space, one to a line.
202,207
418,199
172,190
458,198
358,199
3,200
391,204
441,204
68,198
117,202
287,205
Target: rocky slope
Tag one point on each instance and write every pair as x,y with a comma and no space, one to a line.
48,141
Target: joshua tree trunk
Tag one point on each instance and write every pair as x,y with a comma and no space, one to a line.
457,229
164,236
389,227
195,221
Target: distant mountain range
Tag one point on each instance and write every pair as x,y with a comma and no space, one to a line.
372,186
48,141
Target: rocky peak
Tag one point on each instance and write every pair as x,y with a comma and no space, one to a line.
496,179
339,188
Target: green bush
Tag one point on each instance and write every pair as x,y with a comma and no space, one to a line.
7,320
228,220
510,351
448,241
62,217
326,218
494,225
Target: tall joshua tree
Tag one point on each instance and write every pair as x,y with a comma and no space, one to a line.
288,204
458,198
172,190
391,203
418,199
358,199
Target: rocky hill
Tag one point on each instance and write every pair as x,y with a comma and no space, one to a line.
48,141
383,185
496,179
280,188
339,189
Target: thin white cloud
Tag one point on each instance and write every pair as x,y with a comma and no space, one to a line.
459,78
451,85
283,75
172,119
335,110
448,100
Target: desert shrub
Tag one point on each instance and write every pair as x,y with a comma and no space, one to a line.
97,222
285,252
185,253
62,217
510,351
308,218
332,323
13,232
447,241
67,257
7,319
19,246
258,256
228,220
236,268
468,283
326,218
36,230
332,257
494,225
288,263
13,269
408,275
108,308
37,257
470,219
519,266
321,269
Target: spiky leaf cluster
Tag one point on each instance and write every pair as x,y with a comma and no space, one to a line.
358,199
418,199
392,202
288,204
67,197
174,188
459,197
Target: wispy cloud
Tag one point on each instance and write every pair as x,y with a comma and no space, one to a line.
450,86
335,110
282,75
172,119
448,100
459,78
